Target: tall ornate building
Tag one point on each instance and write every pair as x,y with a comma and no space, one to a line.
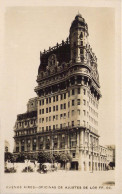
65,115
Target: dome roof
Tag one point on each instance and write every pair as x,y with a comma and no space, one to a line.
79,21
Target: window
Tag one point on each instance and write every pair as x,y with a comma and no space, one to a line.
78,90
61,116
40,103
65,96
73,112
56,98
73,92
40,111
78,122
73,102
56,117
53,118
46,128
78,111
46,110
46,100
60,126
81,43
72,123
84,91
61,97
43,102
84,102
53,98
64,115
49,118
68,114
73,154
49,100
84,112
68,104
42,120
56,107
56,126
84,123
49,128
78,101
42,129
64,105
81,51
53,127
49,109
61,106
46,119
53,108
69,94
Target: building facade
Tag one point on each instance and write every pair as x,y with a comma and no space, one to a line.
64,115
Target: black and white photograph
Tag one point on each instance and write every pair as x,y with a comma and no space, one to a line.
60,106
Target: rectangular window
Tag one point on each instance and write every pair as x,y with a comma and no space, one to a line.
54,118
84,91
61,97
49,100
53,98
46,100
61,106
53,108
78,111
57,126
57,98
73,92
42,120
43,102
64,95
84,123
84,112
40,111
61,116
42,129
68,104
46,110
69,94
49,118
64,105
56,107
49,128
49,109
46,119
84,102
72,123
53,127
78,101
60,126
78,90
40,103
73,102
68,114
64,115
78,122
46,128
73,112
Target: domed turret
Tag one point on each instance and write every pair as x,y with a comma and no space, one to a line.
78,39
79,22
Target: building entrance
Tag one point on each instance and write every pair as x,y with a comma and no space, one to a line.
74,165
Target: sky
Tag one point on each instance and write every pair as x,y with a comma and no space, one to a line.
29,30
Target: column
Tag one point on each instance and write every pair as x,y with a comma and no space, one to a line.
37,143
77,146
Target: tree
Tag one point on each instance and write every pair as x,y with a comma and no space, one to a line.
8,156
45,157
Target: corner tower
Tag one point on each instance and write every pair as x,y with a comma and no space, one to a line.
78,39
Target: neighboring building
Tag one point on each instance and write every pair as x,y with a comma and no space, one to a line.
64,116
110,154
7,146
